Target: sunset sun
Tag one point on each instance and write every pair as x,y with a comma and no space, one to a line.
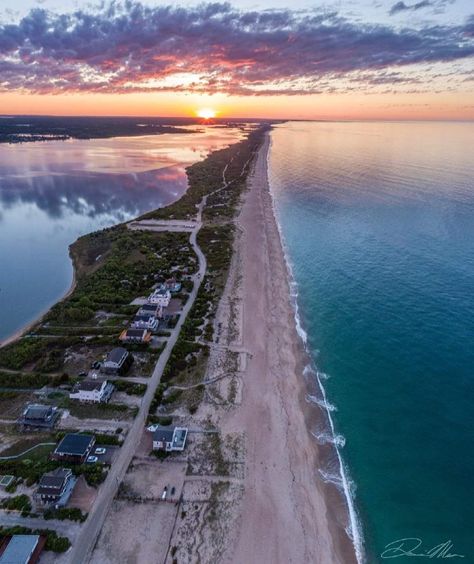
206,113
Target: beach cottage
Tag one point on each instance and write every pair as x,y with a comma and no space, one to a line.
160,297
92,391
55,488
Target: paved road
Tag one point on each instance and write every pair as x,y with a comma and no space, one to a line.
84,545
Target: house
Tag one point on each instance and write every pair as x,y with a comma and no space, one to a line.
21,549
135,336
74,447
172,285
150,309
55,488
169,438
160,297
37,416
118,361
146,321
94,391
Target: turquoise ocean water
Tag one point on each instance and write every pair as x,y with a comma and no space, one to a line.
378,223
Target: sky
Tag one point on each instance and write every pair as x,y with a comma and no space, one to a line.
345,59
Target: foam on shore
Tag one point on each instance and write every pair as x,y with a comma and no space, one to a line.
340,478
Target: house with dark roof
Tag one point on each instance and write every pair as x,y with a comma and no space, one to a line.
37,416
135,336
74,447
55,488
146,321
169,438
92,391
21,549
150,309
118,361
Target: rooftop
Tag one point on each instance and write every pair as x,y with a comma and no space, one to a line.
163,434
88,385
74,444
161,292
149,307
145,317
135,332
37,411
116,354
53,480
19,549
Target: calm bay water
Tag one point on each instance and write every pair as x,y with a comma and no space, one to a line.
53,192
378,219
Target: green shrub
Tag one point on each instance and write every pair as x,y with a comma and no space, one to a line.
17,503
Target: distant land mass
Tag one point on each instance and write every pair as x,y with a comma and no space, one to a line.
21,129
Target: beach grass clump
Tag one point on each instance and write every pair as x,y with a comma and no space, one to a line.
16,355
130,388
63,513
17,503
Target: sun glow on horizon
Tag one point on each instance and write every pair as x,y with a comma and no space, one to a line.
206,113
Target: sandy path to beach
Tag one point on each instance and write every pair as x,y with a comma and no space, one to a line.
284,517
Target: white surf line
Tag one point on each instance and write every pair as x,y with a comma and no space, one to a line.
355,532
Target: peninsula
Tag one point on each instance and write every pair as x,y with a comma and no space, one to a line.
194,427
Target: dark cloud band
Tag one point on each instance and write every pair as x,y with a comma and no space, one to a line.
129,47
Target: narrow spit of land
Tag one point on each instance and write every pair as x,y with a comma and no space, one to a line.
251,449
82,548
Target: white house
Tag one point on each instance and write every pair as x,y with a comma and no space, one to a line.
161,297
169,438
95,391
145,321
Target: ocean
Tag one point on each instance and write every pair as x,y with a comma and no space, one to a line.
378,224
55,191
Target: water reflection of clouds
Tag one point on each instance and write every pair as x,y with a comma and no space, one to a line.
118,177
91,194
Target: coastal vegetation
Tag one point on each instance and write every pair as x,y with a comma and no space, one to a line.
113,267
222,177
54,542
63,513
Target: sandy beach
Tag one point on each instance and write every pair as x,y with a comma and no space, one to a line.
287,513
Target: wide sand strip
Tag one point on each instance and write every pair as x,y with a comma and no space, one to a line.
284,515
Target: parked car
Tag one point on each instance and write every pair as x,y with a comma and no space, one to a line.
82,374
100,450
92,459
